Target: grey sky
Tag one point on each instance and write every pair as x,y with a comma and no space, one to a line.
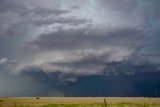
78,38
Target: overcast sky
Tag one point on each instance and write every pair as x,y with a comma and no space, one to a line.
47,46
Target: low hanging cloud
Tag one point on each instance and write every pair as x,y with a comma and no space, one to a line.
79,38
82,51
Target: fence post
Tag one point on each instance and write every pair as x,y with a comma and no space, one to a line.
105,103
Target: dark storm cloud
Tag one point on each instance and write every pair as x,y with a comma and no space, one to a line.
86,51
81,38
18,20
22,9
56,42
90,38
144,83
16,17
25,84
6,5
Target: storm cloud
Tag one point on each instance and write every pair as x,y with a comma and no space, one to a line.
61,41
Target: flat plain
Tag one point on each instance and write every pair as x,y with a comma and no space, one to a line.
79,102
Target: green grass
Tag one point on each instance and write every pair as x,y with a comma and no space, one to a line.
87,105
78,102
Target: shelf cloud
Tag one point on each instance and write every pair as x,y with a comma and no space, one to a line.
70,39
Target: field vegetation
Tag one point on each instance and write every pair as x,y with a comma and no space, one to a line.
79,102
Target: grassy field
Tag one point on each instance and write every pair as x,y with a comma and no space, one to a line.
79,102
